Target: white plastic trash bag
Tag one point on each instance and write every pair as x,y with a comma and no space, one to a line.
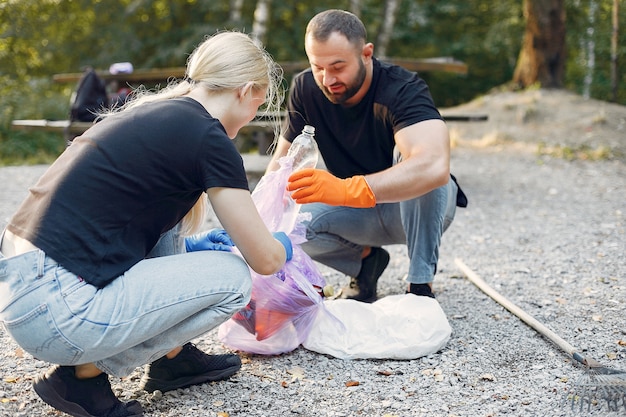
395,327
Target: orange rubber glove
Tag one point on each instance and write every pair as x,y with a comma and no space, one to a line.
318,186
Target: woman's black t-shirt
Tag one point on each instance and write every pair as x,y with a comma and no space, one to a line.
103,204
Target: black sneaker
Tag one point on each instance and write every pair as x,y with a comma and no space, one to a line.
92,397
190,367
421,289
363,286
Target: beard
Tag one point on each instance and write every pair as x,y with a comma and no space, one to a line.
351,89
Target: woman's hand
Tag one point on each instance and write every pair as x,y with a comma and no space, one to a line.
214,239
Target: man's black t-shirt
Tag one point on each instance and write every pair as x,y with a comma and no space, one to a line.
102,206
359,140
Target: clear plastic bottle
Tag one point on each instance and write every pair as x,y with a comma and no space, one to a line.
305,154
304,149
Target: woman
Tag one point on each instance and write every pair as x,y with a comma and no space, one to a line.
84,280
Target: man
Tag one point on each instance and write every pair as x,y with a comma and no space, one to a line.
387,151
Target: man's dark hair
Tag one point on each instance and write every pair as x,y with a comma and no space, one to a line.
323,24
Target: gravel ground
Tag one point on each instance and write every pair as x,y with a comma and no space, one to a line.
547,233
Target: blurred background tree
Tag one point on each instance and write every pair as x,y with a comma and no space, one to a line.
40,38
543,54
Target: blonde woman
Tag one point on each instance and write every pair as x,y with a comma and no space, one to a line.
85,282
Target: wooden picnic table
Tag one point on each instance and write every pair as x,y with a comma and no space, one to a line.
65,126
140,76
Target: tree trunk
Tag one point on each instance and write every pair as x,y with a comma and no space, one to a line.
386,29
261,18
542,58
590,46
355,7
235,10
614,37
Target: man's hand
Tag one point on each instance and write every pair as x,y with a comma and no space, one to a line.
215,239
319,186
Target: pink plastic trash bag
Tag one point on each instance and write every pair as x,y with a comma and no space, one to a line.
284,305
280,299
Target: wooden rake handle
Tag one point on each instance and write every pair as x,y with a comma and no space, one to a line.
522,315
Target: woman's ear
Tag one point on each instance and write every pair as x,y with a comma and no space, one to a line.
247,88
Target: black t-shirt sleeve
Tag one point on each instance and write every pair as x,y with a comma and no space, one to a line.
412,103
220,164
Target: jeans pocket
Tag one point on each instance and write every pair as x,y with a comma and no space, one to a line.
37,333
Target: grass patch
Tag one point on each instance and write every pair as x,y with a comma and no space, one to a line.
582,152
32,148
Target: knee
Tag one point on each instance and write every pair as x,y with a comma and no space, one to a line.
243,280
317,218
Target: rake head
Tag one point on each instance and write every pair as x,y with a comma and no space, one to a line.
600,386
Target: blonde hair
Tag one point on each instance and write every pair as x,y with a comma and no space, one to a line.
225,61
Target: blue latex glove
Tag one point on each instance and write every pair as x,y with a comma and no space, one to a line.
215,239
282,238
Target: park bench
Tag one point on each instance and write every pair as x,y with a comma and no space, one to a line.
259,130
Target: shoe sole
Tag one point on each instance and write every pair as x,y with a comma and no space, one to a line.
54,400
152,384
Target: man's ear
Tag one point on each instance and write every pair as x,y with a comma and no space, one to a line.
368,51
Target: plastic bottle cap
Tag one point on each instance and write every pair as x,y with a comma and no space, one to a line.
309,129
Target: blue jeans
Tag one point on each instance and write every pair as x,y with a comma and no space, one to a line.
160,303
337,235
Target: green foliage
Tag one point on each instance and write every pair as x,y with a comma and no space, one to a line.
459,30
579,36
30,148
35,100
44,37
